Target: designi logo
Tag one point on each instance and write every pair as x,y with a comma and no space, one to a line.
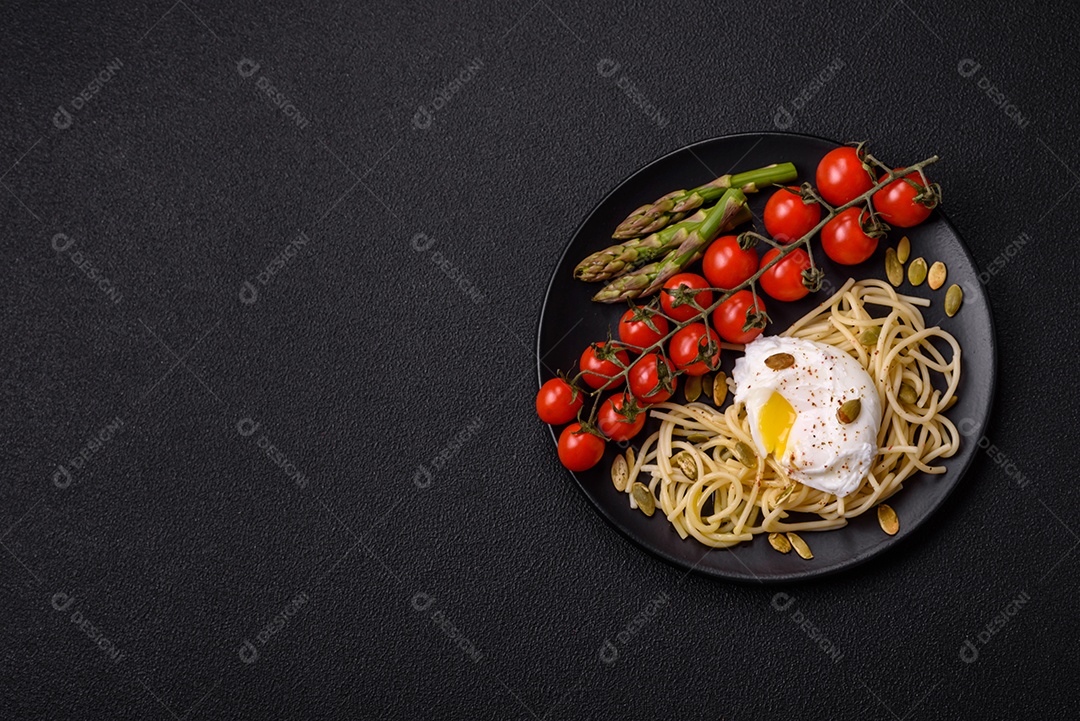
62,119
248,293
61,601
422,119
247,67
61,477
248,653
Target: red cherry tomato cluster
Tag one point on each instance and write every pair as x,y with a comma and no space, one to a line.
788,216
651,377
842,176
651,373
558,403
848,238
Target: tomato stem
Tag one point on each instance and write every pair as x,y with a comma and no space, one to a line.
751,282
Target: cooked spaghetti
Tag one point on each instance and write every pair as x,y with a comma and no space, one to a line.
721,502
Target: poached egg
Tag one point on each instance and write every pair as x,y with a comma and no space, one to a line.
792,411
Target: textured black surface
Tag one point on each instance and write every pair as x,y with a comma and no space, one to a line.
361,360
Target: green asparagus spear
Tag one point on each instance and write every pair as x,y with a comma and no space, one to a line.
674,206
648,279
628,255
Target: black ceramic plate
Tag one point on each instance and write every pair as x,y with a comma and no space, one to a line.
570,321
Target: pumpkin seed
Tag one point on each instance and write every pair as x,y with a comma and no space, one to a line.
745,454
903,249
722,453
698,438
870,335
849,411
936,277
692,389
783,496
916,272
644,498
707,384
719,391
780,361
630,457
620,474
894,269
686,464
800,546
907,394
953,297
886,516
780,542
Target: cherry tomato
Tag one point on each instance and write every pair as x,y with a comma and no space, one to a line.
726,265
643,379
730,317
597,373
638,332
788,218
686,344
896,205
845,241
841,176
783,281
614,424
686,311
580,451
555,403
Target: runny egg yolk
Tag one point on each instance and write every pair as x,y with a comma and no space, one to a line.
775,422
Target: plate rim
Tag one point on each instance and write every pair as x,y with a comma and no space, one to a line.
855,560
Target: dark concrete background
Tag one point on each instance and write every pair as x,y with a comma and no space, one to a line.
177,567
